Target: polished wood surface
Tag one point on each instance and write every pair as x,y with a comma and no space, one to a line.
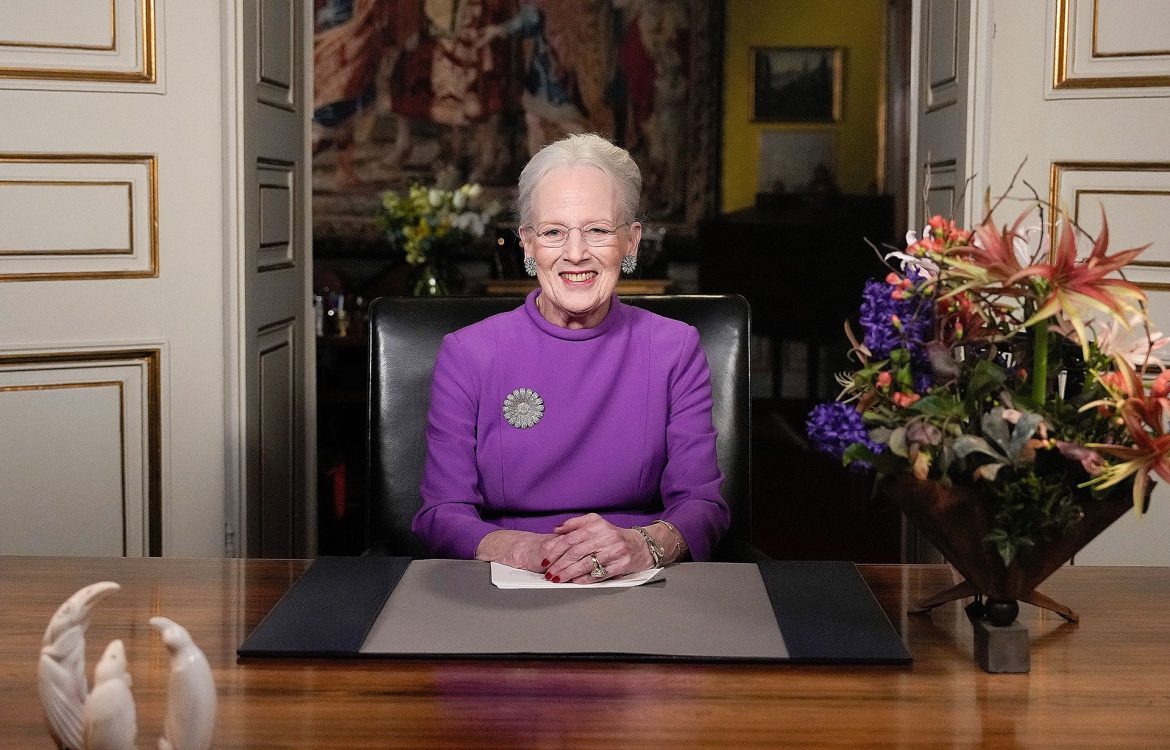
1104,682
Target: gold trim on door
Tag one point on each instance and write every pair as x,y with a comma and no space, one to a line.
151,360
150,162
128,250
110,47
1062,77
1057,169
121,386
1098,191
1134,53
146,72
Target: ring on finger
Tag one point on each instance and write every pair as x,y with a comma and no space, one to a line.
598,569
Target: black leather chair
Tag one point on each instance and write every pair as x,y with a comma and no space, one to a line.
405,334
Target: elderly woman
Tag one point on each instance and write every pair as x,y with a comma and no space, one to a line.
573,435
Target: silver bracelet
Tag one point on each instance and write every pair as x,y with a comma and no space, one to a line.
656,550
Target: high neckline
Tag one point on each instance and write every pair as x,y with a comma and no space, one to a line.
573,334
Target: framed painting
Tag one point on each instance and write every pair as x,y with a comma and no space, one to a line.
789,159
797,84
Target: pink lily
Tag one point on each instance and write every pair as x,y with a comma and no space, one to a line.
1070,283
1149,453
1142,415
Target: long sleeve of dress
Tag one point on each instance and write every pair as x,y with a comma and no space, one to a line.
691,480
450,520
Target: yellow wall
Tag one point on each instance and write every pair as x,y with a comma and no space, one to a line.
856,25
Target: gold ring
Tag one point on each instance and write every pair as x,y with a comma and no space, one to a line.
598,569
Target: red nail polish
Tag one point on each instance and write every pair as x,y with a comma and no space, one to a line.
544,563
547,576
556,579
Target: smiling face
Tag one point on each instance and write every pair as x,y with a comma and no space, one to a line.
577,279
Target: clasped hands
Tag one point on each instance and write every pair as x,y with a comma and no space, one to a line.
564,556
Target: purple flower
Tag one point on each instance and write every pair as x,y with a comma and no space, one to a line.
906,323
895,323
833,427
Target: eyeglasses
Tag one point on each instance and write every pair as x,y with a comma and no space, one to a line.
556,235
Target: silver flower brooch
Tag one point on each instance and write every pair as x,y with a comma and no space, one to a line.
523,408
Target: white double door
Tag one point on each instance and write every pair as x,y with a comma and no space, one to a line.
154,270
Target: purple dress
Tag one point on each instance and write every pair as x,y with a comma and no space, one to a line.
626,430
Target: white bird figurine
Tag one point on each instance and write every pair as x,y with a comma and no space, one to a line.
190,718
109,718
61,669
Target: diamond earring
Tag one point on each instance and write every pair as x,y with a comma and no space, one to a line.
530,265
629,264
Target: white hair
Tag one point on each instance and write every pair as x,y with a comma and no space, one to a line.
587,149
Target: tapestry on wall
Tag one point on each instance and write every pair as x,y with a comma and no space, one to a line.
453,91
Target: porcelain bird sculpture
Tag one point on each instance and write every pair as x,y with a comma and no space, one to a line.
61,669
105,718
190,718
108,717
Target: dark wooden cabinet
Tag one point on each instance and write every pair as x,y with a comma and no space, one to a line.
802,268
341,444
805,505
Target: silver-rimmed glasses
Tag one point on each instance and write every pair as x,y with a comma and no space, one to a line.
597,234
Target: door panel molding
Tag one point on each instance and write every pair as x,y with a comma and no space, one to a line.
136,374
269,201
1080,62
116,43
78,216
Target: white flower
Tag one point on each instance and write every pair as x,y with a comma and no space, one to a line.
912,236
469,222
1021,244
1132,339
435,197
459,200
473,190
910,263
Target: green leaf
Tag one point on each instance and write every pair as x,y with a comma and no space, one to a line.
1004,545
986,377
968,444
857,452
871,371
897,442
1028,425
938,405
996,429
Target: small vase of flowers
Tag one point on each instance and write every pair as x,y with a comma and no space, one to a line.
1008,395
428,225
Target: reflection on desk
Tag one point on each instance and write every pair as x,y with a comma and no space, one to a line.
1100,683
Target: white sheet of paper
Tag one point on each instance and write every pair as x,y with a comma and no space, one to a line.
506,577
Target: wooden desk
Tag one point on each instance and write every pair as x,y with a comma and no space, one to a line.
1104,682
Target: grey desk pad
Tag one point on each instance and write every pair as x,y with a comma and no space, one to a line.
824,610
450,607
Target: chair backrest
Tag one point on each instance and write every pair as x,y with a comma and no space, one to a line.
405,334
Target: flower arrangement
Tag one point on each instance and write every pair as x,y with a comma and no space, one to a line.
995,359
424,223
